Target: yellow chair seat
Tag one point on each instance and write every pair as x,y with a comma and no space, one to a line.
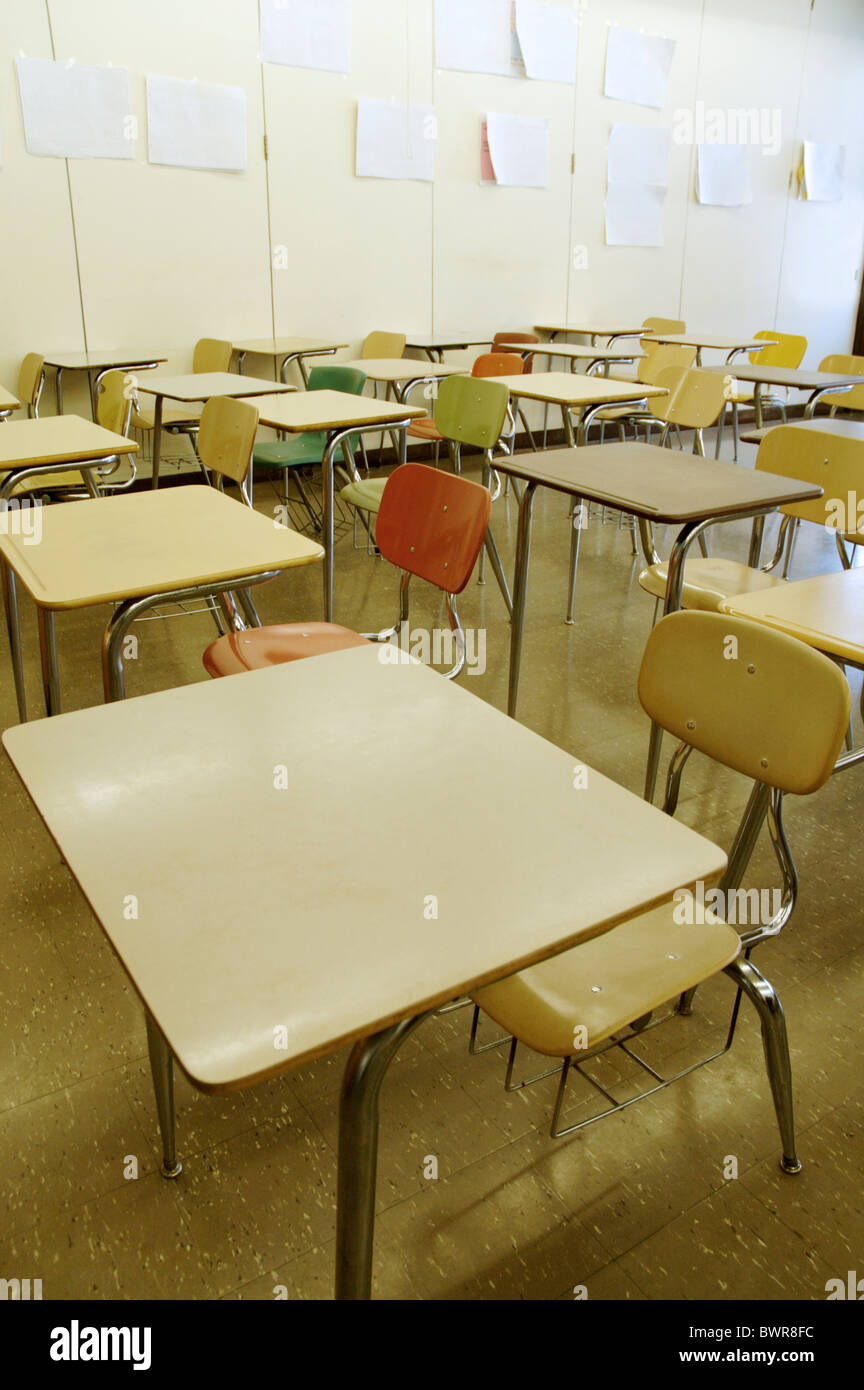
171,415
708,582
605,983
620,412
366,495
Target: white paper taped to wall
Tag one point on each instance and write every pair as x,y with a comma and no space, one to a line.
637,67
519,150
634,214
548,38
196,125
639,154
395,141
823,172
307,34
723,175
76,112
474,36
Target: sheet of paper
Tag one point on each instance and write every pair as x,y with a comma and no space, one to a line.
639,154
548,38
487,172
307,34
634,214
76,112
723,175
197,125
474,36
823,172
637,67
519,150
395,141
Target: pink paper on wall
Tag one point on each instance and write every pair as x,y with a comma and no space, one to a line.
487,171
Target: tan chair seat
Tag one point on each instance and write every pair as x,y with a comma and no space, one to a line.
621,412
708,582
171,415
366,495
622,373
605,983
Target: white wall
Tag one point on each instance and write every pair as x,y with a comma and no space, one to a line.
165,256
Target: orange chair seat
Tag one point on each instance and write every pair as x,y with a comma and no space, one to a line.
259,647
425,429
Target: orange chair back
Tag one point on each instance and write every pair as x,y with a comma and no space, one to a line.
498,364
517,338
432,524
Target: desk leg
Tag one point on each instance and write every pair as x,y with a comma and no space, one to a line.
575,537
13,627
157,440
48,653
162,1071
58,389
520,592
358,1156
757,403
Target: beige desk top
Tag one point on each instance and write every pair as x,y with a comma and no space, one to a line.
113,548
58,439
573,351
203,386
826,612
99,360
287,347
710,340
268,910
661,484
441,342
401,368
328,410
574,388
603,328
8,401
825,424
800,377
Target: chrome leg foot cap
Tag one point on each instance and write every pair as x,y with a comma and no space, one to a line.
570,622
790,1165
171,1172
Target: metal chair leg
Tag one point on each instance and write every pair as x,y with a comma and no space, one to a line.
775,1042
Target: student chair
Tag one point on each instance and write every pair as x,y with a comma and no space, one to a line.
648,369
31,379
299,451
527,366
487,364
831,461
777,715
430,524
844,400
783,350
648,347
114,405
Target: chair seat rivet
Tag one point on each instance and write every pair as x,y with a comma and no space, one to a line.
691,723
672,956
763,762
411,548
596,989
751,670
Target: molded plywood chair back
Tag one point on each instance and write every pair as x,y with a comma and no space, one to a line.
696,398
498,364
853,366
380,344
114,402
517,338
471,411
783,349
211,355
225,438
661,356
431,525
336,378
31,379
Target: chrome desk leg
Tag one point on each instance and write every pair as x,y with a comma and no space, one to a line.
491,548
58,389
13,627
775,1043
575,537
162,1071
520,592
48,653
157,440
358,1156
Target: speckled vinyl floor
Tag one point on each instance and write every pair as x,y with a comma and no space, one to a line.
640,1206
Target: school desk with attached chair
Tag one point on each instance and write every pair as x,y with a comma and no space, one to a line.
95,364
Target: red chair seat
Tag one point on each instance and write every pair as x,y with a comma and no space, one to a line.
259,647
425,429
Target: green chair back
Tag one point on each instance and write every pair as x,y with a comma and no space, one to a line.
472,410
337,378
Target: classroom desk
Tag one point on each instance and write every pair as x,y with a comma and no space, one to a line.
284,351
826,612
596,357
825,424
276,920
98,362
817,383
598,328
403,374
136,551
710,342
436,344
56,444
198,387
573,390
342,415
8,404
650,483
